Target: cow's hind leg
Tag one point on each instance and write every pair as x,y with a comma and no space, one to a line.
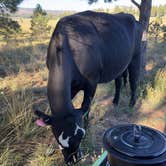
118,84
134,72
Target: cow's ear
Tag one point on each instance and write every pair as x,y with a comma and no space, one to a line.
43,118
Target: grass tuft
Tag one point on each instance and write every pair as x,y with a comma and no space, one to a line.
156,92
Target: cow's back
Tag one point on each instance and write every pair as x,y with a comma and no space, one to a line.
101,44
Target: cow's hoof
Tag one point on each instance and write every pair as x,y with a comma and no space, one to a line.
132,103
115,102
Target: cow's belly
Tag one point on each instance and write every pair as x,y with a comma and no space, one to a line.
115,62
104,66
110,74
105,60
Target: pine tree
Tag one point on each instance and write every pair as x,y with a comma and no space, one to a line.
39,23
10,6
7,25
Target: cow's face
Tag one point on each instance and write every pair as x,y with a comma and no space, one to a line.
68,133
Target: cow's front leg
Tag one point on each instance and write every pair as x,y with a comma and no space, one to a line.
89,92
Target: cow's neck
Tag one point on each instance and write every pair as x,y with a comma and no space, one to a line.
59,90
59,82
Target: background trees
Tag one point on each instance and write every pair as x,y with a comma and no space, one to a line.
39,23
158,11
7,25
10,6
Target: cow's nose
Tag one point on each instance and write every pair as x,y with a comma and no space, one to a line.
74,158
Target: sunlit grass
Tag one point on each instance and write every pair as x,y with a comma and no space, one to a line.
17,128
156,92
6,158
39,157
17,117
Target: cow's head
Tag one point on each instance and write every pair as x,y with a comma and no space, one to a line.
67,131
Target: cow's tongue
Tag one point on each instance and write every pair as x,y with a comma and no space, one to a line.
40,122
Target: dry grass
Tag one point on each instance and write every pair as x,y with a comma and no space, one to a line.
156,93
39,157
25,24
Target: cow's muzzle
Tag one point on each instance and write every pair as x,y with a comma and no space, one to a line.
74,158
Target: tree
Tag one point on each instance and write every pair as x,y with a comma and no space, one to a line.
144,16
7,25
39,23
10,6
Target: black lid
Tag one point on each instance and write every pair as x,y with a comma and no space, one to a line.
135,141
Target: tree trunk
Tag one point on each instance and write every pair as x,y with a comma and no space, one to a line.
144,17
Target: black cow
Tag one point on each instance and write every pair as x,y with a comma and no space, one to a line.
86,48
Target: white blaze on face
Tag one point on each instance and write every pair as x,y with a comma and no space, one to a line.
79,128
64,142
